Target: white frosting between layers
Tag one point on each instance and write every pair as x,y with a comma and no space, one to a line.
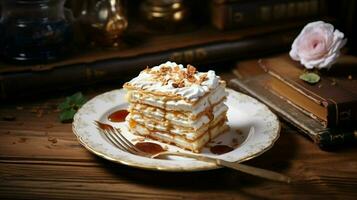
181,141
180,120
218,112
191,91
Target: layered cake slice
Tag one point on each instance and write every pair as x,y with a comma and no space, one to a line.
177,105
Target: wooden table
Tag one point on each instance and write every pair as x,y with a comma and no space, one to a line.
40,158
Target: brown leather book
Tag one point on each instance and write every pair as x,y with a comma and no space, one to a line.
332,101
253,80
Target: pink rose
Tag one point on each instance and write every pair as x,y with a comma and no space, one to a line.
318,45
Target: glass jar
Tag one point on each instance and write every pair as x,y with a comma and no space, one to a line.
104,21
34,30
165,15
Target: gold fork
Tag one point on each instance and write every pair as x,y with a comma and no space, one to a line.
115,136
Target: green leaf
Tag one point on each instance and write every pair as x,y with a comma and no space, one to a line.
81,101
67,116
77,98
64,105
310,77
70,105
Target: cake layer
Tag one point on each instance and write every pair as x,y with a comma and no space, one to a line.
163,102
179,118
165,126
181,141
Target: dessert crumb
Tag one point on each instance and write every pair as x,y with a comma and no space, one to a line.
52,139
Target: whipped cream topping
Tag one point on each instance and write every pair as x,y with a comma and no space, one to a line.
175,79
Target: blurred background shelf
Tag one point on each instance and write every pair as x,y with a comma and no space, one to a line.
242,30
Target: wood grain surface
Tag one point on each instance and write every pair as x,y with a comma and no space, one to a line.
40,158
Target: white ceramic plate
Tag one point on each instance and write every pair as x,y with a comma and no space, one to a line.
258,126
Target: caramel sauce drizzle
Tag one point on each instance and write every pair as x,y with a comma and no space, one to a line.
118,116
221,149
149,147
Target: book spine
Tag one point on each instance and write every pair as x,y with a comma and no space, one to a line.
251,13
332,138
24,83
341,114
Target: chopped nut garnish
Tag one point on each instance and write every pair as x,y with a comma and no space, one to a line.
165,81
165,69
175,85
181,75
180,84
191,79
176,69
202,78
191,70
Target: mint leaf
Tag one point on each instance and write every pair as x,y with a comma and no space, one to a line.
310,77
77,97
64,105
81,101
70,106
67,116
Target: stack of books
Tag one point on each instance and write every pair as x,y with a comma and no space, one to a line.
326,111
